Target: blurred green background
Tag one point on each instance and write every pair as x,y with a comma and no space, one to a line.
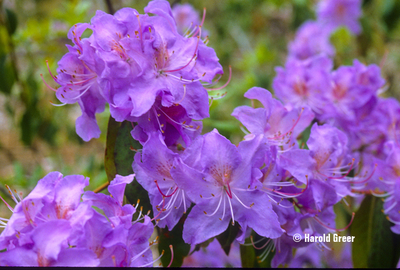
251,36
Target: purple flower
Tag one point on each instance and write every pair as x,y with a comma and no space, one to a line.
388,176
326,160
352,87
335,13
311,39
278,124
140,65
222,187
173,122
214,256
53,227
152,167
304,83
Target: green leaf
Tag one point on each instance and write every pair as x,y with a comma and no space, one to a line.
174,238
119,159
7,76
123,154
251,257
375,245
248,256
227,237
109,162
11,21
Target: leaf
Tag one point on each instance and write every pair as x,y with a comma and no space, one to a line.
7,76
109,163
174,238
11,21
248,256
119,159
375,244
227,237
123,154
251,257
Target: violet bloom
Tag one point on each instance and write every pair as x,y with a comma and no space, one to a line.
78,73
352,87
388,174
214,256
311,39
223,187
138,64
373,125
335,13
173,122
152,167
45,224
327,160
304,83
53,227
278,124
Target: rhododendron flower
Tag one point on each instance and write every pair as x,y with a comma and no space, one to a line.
53,227
334,13
222,186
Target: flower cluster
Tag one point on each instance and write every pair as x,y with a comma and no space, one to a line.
312,38
143,67
52,226
149,70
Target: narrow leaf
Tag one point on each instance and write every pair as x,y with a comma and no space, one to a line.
374,244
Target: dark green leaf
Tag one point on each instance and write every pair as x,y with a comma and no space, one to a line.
375,244
248,256
7,76
251,257
109,162
227,237
11,21
123,153
119,159
174,238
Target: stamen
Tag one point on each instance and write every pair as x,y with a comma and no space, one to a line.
172,256
9,207
230,206
158,187
258,248
202,22
184,94
334,229
191,59
57,105
237,198
48,86
140,33
290,130
222,87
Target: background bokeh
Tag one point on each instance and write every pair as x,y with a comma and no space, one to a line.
251,36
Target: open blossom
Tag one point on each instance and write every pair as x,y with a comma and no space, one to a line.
335,13
278,124
137,64
304,83
311,39
53,227
388,177
223,187
152,167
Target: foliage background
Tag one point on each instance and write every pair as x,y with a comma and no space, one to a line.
251,36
